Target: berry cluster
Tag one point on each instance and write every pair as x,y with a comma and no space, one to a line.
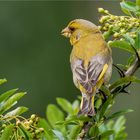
28,126
31,126
118,25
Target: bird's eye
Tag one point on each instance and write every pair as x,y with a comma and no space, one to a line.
72,28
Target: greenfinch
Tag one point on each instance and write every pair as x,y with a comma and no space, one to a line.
91,61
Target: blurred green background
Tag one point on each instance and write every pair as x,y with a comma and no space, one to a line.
35,57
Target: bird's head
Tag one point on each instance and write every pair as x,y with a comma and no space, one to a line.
79,28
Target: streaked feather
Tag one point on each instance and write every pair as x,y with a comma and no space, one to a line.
88,76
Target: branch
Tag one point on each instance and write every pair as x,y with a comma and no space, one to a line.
133,68
85,130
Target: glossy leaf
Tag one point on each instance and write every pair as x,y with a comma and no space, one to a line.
17,111
2,81
74,119
74,132
105,106
107,133
123,81
67,122
20,132
110,124
138,40
123,67
128,7
107,34
119,113
98,103
26,133
44,124
119,124
80,118
10,102
7,132
54,114
122,45
65,105
129,39
6,95
58,134
130,60
75,106
138,3
105,90
94,131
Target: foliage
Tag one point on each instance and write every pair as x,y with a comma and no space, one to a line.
58,127
13,126
62,122
122,32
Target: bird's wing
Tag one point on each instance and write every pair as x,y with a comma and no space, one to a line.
89,76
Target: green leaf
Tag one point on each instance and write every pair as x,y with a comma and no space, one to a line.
98,103
138,3
107,34
58,134
74,119
20,132
67,122
119,113
130,60
123,81
75,104
65,105
10,102
75,130
137,44
7,132
119,124
2,81
102,128
105,90
54,114
17,111
107,133
128,7
127,12
94,131
27,135
79,118
122,45
110,124
123,67
104,107
6,95
75,107
44,124
129,39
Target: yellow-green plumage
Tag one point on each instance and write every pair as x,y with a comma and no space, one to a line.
90,59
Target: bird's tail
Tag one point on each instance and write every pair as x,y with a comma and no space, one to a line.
87,105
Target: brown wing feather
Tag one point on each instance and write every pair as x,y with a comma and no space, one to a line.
88,76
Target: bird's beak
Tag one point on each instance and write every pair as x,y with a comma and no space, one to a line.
66,32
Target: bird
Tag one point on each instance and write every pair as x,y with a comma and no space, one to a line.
90,59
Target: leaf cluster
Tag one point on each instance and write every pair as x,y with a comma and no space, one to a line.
122,32
13,126
62,122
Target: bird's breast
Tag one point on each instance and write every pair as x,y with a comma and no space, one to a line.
87,47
